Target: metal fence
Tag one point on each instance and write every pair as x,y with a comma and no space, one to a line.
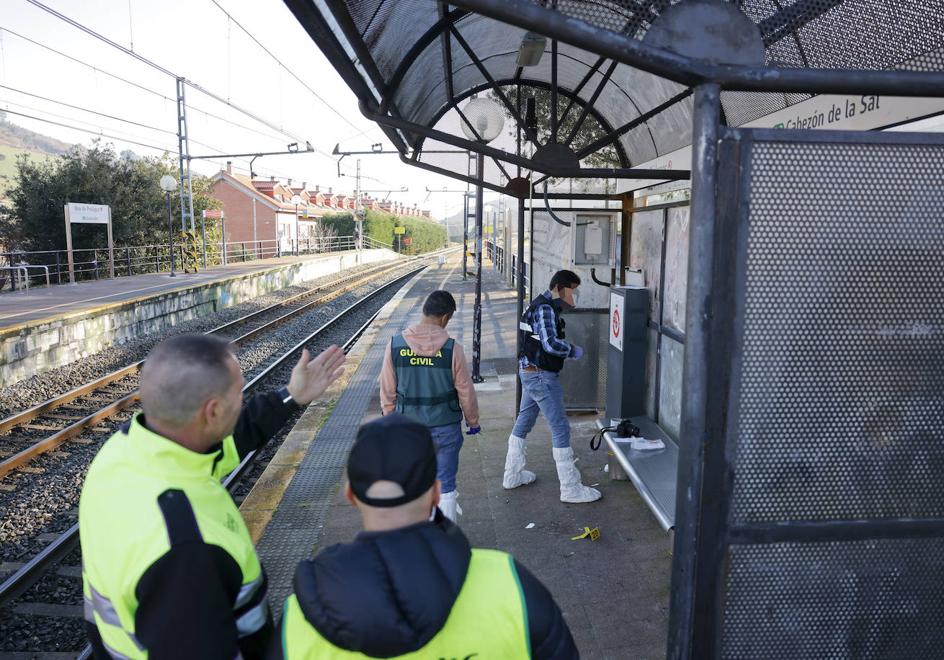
19,270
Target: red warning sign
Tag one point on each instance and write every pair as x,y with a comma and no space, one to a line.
616,321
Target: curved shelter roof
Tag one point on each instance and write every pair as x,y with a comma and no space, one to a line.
625,66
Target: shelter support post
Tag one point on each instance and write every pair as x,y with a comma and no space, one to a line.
477,310
626,235
465,236
519,283
706,128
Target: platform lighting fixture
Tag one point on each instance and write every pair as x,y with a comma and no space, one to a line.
168,185
531,49
487,120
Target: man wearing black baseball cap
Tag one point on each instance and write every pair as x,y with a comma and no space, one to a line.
410,582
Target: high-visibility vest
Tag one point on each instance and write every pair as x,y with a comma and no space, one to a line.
488,620
426,390
136,477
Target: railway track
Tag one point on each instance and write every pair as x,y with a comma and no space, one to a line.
46,426
66,544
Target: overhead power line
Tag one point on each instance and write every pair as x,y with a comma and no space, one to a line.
288,70
86,130
203,90
143,88
88,110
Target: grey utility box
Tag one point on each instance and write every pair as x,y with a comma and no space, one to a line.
626,353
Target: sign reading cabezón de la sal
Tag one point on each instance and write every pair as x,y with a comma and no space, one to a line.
88,213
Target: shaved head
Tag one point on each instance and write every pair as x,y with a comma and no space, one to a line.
184,372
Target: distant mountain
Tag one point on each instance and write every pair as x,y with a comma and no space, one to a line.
18,137
16,140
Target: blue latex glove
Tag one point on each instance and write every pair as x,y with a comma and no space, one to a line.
578,352
474,430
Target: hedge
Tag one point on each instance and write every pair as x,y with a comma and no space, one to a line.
426,234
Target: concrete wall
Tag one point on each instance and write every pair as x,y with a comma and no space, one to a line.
39,346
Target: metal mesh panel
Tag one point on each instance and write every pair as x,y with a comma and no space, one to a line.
841,408
393,29
584,381
837,600
870,34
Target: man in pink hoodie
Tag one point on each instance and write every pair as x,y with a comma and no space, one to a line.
426,378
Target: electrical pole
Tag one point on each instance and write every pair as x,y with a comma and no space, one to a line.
183,146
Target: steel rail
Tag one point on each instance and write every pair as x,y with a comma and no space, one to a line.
240,469
76,428
28,574
24,416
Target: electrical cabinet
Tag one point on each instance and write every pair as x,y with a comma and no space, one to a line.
593,239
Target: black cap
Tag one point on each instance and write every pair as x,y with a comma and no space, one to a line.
392,448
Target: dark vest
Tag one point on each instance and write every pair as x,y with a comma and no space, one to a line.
426,390
531,346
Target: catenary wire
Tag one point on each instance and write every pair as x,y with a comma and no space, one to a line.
203,90
136,85
289,70
88,110
86,130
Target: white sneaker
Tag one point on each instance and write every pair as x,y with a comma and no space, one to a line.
571,490
515,474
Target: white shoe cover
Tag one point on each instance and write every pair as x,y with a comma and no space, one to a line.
571,489
515,474
449,505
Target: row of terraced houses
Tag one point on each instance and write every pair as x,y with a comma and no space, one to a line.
261,210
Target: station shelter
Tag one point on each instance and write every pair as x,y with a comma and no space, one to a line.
763,267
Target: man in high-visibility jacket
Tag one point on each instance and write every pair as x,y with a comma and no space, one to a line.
169,570
410,586
425,377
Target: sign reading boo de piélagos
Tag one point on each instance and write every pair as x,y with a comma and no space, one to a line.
88,213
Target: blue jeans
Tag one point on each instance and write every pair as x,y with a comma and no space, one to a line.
541,392
448,440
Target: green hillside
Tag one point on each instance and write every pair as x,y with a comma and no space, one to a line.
8,156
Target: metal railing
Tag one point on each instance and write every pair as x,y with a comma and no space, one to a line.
20,269
514,273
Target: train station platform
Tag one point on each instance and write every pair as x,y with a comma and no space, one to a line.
614,591
47,327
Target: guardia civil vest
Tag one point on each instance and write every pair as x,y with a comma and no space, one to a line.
488,620
426,391
531,346
135,479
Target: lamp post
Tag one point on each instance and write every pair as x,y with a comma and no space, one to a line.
169,185
485,122
296,200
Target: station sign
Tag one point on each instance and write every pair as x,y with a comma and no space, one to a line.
98,214
93,214
825,111
399,230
